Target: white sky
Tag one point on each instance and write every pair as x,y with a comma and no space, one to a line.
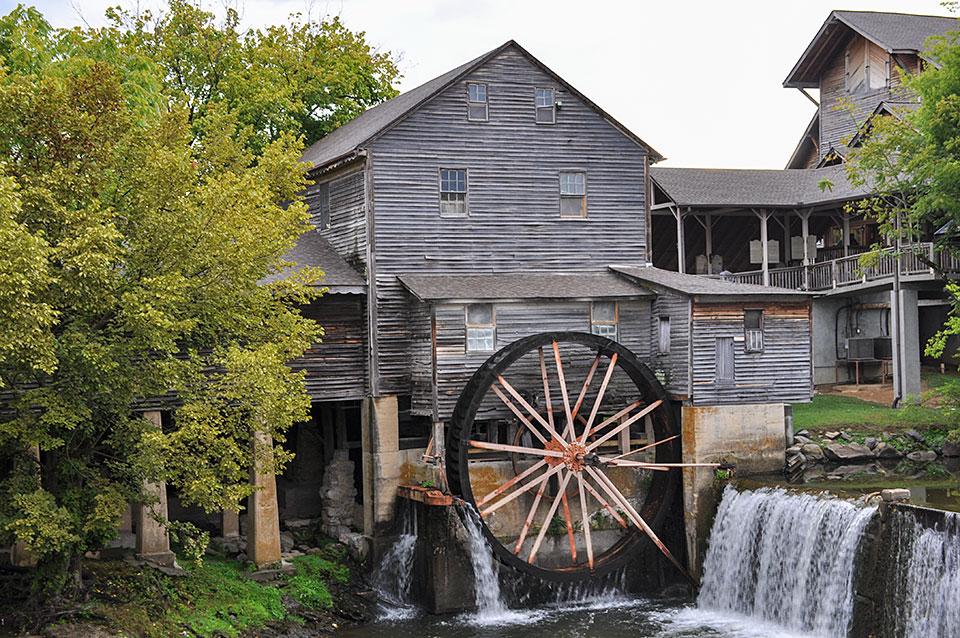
699,80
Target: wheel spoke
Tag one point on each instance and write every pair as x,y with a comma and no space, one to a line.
563,387
569,521
600,393
625,424
603,502
519,449
549,517
583,393
546,387
516,479
529,408
655,466
527,487
646,447
519,414
615,417
586,520
529,520
616,495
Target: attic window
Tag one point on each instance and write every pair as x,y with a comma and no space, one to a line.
573,194
604,319
453,192
477,108
546,106
481,327
753,330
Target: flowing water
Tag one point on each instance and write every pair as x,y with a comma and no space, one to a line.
395,574
785,558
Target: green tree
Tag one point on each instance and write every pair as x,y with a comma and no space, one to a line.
140,208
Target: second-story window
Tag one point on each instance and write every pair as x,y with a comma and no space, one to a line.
753,330
477,102
322,215
603,319
481,327
453,192
573,194
663,335
546,106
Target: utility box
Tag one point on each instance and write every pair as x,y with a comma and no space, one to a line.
883,348
860,348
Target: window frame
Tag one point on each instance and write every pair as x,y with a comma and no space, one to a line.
594,322
467,327
753,338
552,106
465,192
568,196
664,344
472,103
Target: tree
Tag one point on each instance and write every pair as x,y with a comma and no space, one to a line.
138,216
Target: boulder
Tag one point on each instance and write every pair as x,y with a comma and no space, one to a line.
916,436
871,442
813,452
846,437
831,435
800,439
848,452
357,545
922,456
287,541
794,449
894,495
886,451
951,449
805,433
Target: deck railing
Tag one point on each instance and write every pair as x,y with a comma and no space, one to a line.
916,259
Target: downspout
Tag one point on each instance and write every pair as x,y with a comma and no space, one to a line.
895,310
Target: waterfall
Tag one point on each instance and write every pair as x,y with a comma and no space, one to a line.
784,558
394,576
486,582
930,578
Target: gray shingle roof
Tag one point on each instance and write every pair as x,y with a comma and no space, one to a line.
746,188
894,32
343,141
312,249
699,284
519,286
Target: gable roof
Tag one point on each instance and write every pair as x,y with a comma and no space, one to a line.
313,249
810,140
748,188
348,139
893,32
453,286
700,285
895,108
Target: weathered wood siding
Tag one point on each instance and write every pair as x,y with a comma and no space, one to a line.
837,125
347,231
336,367
514,222
514,321
780,373
672,369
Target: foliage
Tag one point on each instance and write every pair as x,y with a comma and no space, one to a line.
149,189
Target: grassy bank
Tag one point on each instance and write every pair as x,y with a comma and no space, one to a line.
836,411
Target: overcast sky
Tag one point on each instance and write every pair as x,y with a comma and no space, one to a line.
699,80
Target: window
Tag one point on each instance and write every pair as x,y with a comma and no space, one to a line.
753,330
453,192
322,215
603,319
477,102
481,328
546,106
723,370
573,194
663,344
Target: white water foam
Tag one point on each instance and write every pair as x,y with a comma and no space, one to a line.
394,576
932,606
784,558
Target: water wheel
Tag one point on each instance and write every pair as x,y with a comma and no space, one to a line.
567,447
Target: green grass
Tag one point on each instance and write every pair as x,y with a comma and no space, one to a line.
833,411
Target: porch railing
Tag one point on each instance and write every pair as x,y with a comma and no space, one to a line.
916,259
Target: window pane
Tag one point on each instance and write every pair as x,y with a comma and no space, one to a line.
573,184
453,180
604,312
571,206
605,330
480,314
477,92
477,111
545,97
545,115
480,339
753,319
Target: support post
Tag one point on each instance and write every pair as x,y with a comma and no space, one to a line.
846,235
906,351
381,461
153,543
708,237
764,238
263,516
805,233
20,556
681,249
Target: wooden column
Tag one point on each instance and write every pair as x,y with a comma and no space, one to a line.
20,556
681,249
764,238
846,235
805,233
263,515
153,543
708,239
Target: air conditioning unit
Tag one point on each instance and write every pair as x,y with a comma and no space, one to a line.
883,348
859,348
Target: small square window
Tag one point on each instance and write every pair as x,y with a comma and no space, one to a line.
453,192
477,108
573,195
481,329
663,343
604,319
753,330
546,106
